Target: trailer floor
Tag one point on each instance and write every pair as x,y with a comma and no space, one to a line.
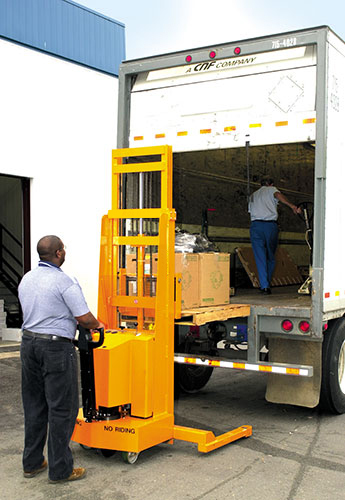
282,296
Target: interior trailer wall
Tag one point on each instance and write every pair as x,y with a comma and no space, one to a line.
217,179
58,127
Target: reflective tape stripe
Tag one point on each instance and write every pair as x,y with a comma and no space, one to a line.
265,368
215,363
258,367
191,360
240,366
230,128
292,371
337,293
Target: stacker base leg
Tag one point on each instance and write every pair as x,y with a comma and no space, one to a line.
206,440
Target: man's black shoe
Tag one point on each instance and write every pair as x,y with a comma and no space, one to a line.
266,291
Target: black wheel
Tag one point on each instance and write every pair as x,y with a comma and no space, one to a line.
332,397
85,447
107,453
130,457
193,378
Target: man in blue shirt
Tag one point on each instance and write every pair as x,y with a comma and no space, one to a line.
264,229
52,305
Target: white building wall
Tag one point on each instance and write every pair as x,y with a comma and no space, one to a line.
58,127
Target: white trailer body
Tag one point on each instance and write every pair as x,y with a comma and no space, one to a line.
281,89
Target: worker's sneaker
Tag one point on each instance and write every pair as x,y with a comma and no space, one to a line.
34,473
78,473
266,291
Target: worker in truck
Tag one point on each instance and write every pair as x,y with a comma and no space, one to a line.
52,304
264,229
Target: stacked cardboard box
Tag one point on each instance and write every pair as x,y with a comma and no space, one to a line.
188,265
214,279
205,277
131,263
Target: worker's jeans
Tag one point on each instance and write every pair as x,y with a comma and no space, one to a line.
264,239
50,397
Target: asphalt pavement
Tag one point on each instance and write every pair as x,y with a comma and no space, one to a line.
294,453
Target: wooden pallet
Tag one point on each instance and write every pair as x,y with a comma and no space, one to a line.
202,315
285,272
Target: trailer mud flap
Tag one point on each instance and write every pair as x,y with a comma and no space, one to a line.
300,391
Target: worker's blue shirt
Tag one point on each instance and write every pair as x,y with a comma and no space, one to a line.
51,300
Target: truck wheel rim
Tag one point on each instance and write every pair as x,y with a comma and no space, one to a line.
341,368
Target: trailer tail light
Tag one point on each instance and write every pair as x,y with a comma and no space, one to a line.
188,59
212,54
237,51
304,326
287,325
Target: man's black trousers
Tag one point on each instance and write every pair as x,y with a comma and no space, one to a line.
50,401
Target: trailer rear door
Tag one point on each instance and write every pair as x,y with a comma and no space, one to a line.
269,96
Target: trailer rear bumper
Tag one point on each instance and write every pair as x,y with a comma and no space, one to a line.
262,367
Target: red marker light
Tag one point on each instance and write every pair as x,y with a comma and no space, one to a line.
189,59
287,325
212,54
237,51
304,326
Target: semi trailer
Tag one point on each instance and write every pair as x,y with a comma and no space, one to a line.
233,113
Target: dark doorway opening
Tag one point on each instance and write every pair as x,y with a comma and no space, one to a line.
14,244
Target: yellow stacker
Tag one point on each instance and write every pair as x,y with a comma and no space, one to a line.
128,373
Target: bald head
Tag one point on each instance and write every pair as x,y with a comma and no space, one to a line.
50,248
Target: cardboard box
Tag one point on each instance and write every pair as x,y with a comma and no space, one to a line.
205,278
149,287
131,263
188,265
214,279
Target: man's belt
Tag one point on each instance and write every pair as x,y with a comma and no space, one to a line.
260,220
46,336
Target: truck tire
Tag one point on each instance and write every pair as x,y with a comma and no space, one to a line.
193,378
332,396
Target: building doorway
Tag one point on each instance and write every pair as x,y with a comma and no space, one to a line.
14,244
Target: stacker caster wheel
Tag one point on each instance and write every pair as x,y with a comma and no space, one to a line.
85,447
107,453
129,457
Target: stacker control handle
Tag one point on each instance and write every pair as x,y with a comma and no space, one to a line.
85,341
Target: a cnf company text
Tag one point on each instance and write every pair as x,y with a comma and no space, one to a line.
214,65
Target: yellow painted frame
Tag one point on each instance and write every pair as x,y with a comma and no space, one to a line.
132,434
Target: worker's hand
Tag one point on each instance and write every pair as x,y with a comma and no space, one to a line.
296,210
100,325
96,333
